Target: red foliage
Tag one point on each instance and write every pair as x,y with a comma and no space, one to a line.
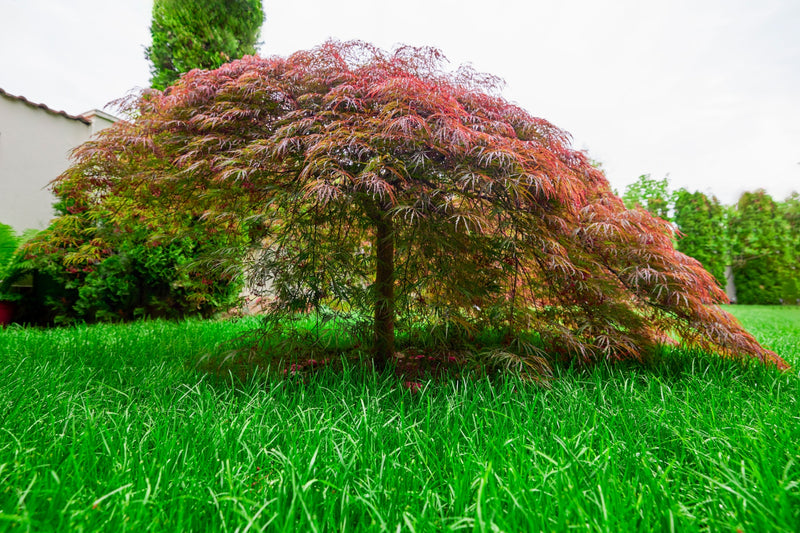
476,210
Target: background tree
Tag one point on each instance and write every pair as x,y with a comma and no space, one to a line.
790,209
701,221
760,247
651,195
204,34
378,183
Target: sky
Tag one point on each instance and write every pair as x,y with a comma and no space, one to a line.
704,92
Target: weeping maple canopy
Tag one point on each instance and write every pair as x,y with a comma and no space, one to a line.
377,181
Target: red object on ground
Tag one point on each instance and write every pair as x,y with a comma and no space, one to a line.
6,312
412,386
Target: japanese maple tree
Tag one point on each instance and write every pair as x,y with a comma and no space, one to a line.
373,180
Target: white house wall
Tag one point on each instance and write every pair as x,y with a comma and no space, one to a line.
35,144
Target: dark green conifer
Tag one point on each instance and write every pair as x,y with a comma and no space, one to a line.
189,34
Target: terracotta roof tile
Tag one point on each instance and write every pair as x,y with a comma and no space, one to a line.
44,107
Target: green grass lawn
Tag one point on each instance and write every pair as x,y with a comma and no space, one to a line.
111,428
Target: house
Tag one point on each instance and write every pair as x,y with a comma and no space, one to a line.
35,146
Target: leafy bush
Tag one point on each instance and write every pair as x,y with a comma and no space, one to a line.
11,259
8,244
140,280
109,273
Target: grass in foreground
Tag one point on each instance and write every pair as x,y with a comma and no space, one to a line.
108,428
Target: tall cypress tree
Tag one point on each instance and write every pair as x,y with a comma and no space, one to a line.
760,248
189,34
701,220
790,209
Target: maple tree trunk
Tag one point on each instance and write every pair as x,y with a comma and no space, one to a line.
384,291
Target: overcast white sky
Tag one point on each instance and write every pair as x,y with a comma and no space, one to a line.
706,91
